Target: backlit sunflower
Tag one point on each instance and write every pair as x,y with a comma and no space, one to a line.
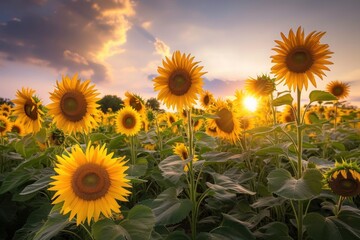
136,102
262,86
28,110
181,150
89,183
227,123
17,127
344,179
73,104
206,99
339,89
287,115
299,59
128,121
179,81
5,125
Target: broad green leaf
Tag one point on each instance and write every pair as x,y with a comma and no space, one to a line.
168,208
177,235
273,231
286,99
37,185
109,230
283,184
172,168
268,202
221,156
15,179
317,95
53,225
98,137
174,140
139,222
139,169
205,141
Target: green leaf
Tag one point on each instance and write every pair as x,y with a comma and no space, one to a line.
317,95
139,169
109,230
15,179
37,185
286,99
214,157
178,235
283,184
205,141
139,223
273,231
172,168
168,208
98,137
53,225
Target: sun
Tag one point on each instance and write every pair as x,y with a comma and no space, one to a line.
250,103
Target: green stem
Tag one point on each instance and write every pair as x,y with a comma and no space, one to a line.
335,115
132,150
339,204
87,230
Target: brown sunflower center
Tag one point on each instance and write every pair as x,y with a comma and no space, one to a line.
299,60
14,129
184,155
171,119
90,182
225,121
31,110
345,187
129,121
179,82
337,91
206,100
73,106
135,103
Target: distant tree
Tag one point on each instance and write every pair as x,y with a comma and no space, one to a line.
112,102
153,103
6,100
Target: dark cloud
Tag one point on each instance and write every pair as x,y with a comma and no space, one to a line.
64,34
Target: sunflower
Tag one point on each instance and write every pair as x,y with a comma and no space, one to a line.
6,108
28,109
288,115
206,99
135,102
246,123
128,121
197,124
211,130
299,59
311,117
344,179
262,86
17,127
5,125
227,123
181,150
89,183
338,89
179,81
73,103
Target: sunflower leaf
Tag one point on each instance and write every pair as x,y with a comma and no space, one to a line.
317,95
286,99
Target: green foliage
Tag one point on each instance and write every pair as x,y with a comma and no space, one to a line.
112,102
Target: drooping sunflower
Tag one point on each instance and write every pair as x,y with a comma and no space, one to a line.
262,86
128,121
17,127
89,183
344,179
28,109
299,59
227,123
5,125
339,89
181,150
73,103
135,102
179,82
206,99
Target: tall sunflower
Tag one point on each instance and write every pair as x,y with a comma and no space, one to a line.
135,102
181,150
206,99
28,109
73,104
5,125
128,121
89,183
299,59
262,86
227,123
344,179
339,89
179,81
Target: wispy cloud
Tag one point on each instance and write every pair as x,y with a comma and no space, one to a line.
66,35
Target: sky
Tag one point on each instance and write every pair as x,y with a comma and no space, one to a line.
119,44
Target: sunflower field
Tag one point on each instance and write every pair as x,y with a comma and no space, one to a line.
207,168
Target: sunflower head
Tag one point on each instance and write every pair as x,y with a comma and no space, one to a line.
89,183
57,137
300,58
181,150
128,121
206,99
18,128
5,107
262,86
73,104
5,125
344,179
179,81
339,89
28,109
135,101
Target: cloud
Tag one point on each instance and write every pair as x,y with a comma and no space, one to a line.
161,48
222,88
67,35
